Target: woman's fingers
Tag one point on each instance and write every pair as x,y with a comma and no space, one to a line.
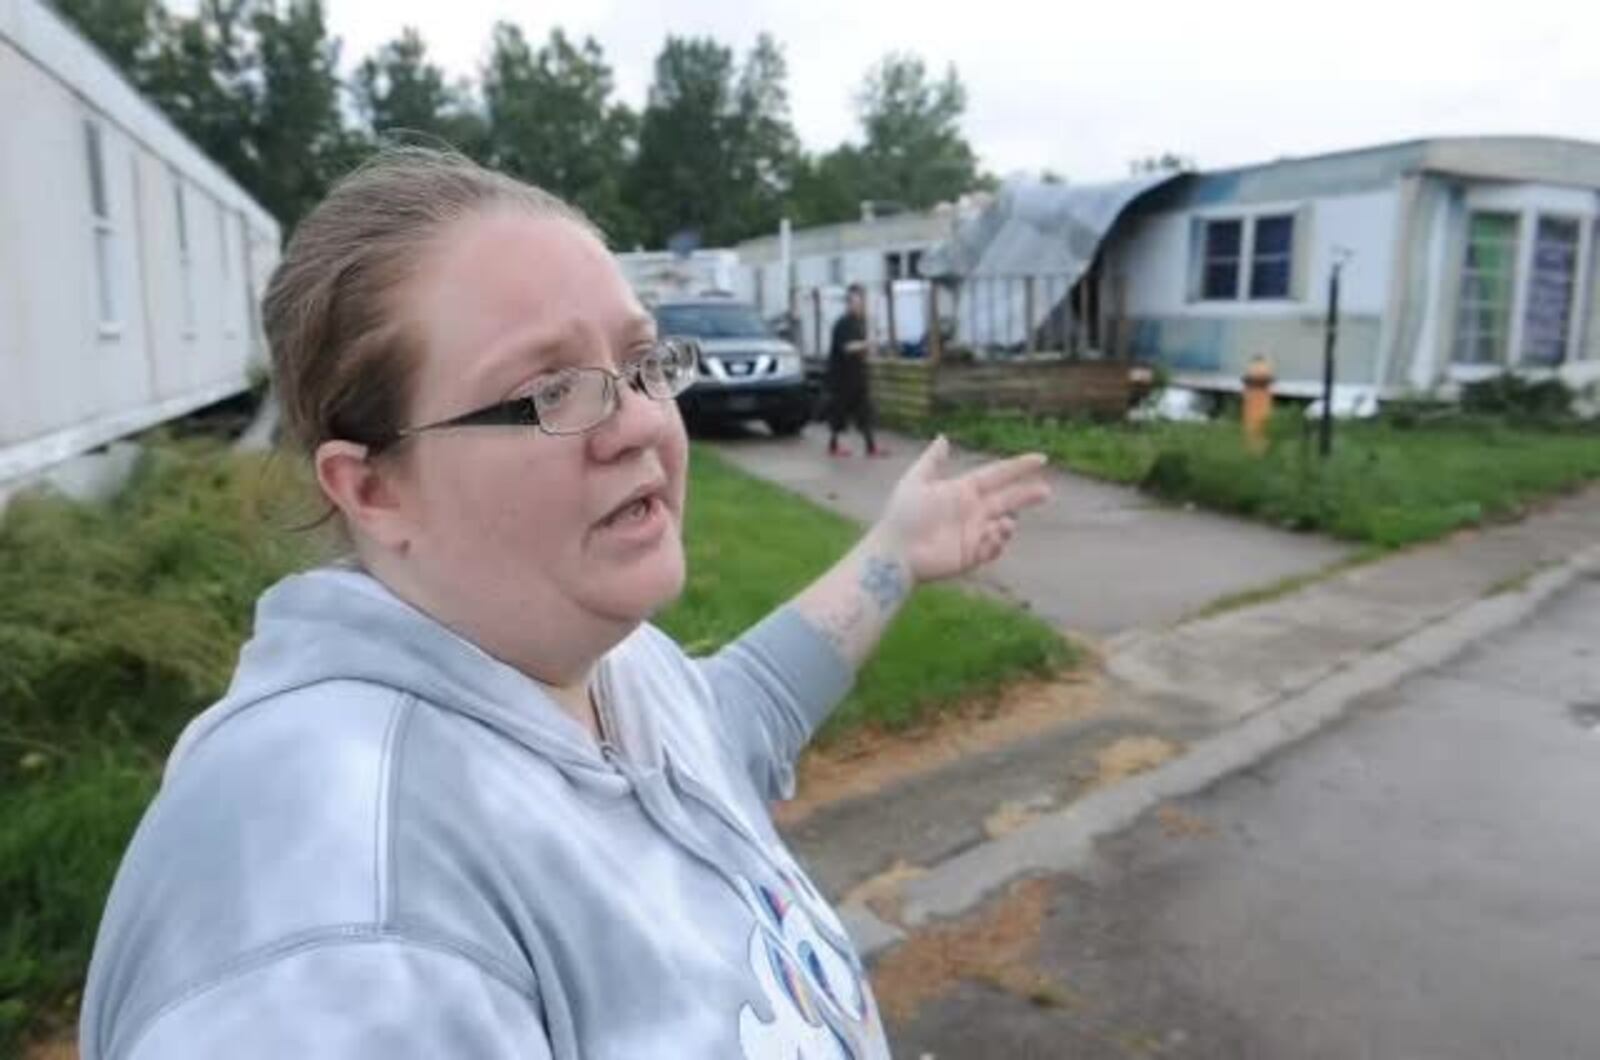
932,460
994,535
1017,496
1001,473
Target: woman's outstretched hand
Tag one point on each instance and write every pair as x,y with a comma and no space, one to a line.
941,527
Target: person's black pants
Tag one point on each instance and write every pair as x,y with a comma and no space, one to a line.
850,402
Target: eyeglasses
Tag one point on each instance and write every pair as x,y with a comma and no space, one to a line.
577,400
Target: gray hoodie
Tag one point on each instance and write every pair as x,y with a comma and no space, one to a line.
385,843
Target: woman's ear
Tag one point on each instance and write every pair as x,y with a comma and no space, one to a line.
365,491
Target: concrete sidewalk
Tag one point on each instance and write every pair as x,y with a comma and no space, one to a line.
1099,559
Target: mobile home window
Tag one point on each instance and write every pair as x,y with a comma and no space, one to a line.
1219,267
185,258
104,232
230,296
1272,257
1547,318
1488,284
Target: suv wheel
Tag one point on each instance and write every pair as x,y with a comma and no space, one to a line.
787,426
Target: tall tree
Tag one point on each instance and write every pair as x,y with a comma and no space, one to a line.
552,120
764,149
828,188
125,30
254,84
300,142
915,152
681,179
717,150
401,94
203,75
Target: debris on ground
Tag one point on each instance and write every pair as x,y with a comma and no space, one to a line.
869,761
995,946
1129,756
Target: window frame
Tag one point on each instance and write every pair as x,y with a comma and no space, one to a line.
1571,326
1205,258
1529,211
103,228
185,245
1255,258
1246,264
1502,356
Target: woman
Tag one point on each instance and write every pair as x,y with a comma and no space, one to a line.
461,799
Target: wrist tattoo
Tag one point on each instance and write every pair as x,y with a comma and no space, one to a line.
839,623
884,581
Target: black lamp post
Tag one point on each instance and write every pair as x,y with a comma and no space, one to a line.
1325,438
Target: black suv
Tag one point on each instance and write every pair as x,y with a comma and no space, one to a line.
746,372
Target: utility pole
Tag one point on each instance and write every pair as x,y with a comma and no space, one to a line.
1325,439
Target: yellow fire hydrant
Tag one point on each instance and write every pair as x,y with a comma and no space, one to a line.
1257,409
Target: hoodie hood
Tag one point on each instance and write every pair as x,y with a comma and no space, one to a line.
338,624
409,835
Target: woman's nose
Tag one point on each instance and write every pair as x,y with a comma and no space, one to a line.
637,422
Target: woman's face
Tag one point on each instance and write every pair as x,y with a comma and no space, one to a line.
515,531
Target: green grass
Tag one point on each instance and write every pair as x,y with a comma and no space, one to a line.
1387,484
1289,584
119,623
751,546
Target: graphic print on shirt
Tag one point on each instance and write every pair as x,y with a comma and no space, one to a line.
822,1008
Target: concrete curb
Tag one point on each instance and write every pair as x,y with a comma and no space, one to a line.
1064,841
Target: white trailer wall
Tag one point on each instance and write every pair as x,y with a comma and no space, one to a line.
110,320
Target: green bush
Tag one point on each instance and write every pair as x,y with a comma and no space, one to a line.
1386,484
1513,396
117,624
62,833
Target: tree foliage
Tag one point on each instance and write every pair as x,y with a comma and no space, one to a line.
256,84
553,120
404,97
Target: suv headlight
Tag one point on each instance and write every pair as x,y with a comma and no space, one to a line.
787,364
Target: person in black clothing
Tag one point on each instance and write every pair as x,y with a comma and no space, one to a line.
850,398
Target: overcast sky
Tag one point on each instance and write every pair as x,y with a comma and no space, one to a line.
1082,88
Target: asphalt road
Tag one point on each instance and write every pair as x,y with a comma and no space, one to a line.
1419,882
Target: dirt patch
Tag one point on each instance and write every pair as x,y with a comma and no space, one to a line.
1013,816
1129,756
994,946
881,893
55,1049
868,761
1181,824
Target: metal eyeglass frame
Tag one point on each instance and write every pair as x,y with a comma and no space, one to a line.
524,411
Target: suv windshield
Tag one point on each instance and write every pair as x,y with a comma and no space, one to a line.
711,321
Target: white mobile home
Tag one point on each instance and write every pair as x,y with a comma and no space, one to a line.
1462,258
868,252
130,264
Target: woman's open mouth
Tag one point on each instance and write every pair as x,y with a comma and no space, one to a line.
640,520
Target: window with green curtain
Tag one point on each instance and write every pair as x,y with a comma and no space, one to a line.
1488,284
